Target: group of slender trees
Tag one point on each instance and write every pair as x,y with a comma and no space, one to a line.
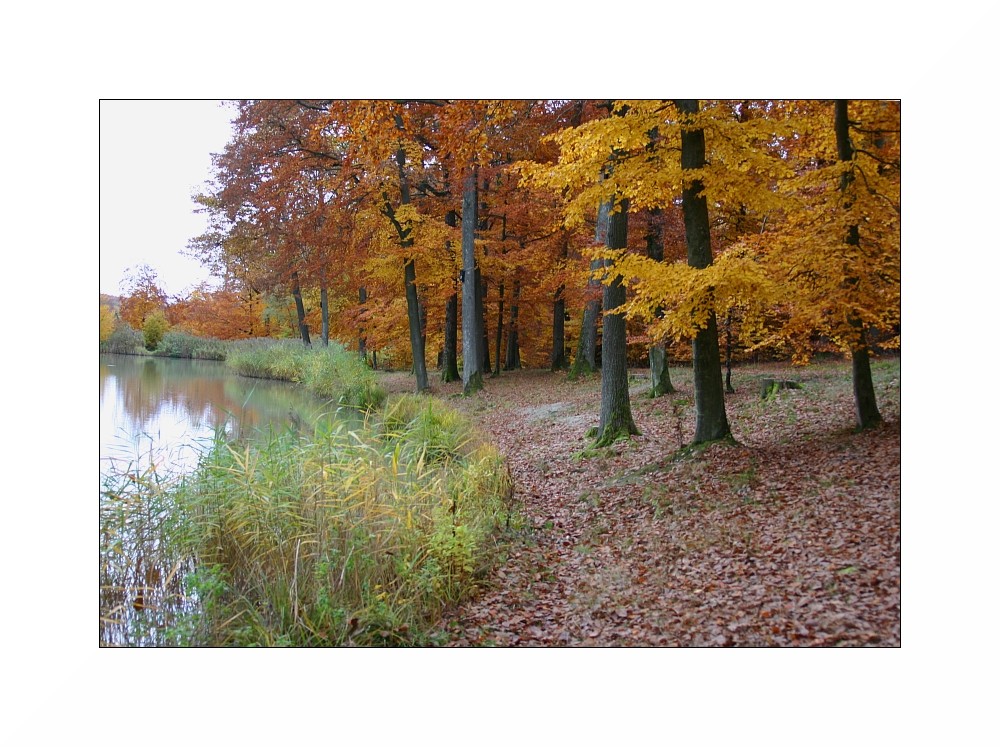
420,226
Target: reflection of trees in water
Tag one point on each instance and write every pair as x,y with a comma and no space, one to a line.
205,392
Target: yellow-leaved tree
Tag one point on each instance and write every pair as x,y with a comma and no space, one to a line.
837,256
721,162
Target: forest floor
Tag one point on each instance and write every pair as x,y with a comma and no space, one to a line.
789,538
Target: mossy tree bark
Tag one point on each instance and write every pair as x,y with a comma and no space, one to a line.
711,423
865,405
616,409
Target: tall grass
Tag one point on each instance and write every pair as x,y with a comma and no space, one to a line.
141,566
345,537
340,538
330,372
176,344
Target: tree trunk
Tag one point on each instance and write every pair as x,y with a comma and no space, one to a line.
659,373
472,332
413,315
410,278
865,405
557,360
711,423
616,409
324,306
482,286
300,311
362,342
499,336
449,357
586,351
729,352
513,359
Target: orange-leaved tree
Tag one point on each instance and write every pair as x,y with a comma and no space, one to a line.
141,295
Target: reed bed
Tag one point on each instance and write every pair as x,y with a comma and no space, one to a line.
330,372
350,536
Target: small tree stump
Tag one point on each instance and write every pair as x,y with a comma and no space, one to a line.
769,386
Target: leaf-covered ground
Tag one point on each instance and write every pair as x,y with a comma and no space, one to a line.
790,538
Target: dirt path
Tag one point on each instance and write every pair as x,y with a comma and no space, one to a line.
791,538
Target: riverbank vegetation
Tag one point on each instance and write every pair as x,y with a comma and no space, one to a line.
348,536
329,372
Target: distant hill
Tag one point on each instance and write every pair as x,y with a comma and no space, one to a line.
113,301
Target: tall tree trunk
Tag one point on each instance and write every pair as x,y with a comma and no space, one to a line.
586,350
865,405
616,409
362,342
659,372
729,352
410,276
499,336
482,285
324,307
513,360
472,332
711,423
449,357
557,360
300,310
413,314
484,339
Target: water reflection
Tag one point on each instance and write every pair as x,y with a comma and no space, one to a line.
164,410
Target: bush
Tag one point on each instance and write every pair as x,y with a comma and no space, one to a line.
123,340
153,329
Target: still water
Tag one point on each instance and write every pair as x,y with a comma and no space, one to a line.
164,411
157,416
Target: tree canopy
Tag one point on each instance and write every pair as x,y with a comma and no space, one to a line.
344,217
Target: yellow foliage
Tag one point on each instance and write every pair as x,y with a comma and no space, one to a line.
107,322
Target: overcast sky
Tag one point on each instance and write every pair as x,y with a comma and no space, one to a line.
154,156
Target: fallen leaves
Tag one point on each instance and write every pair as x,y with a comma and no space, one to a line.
791,538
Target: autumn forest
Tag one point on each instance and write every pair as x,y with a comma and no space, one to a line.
673,243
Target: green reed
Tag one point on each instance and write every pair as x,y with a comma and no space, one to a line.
345,537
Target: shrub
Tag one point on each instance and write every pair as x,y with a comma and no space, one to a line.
154,328
124,340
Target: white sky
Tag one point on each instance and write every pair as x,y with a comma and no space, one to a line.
154,156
